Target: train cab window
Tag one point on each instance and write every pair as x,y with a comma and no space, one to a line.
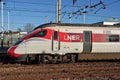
113,38
41,34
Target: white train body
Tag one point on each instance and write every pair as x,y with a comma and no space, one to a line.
68,38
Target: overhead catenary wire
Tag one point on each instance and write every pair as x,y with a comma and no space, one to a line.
66,15
113,2
29,10
25,2
44,11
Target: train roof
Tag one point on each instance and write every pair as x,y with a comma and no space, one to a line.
73,25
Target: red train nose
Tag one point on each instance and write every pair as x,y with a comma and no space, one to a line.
11,52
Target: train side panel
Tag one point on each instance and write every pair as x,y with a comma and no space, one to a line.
38,46
21,48
106,40
66,40
71,40
106,47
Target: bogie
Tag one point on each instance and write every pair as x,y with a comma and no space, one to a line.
48,58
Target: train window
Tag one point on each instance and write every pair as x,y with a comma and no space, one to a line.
18,42
55,35
113,38
41,34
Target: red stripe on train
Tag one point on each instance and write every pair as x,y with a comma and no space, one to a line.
12,53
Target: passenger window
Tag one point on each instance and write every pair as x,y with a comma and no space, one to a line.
55,35
41,34
113,38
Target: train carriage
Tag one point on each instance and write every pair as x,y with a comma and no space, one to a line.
68,42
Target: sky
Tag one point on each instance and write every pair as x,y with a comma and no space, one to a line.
37,12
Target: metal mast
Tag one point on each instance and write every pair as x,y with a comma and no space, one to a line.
8,20
2,23
58,11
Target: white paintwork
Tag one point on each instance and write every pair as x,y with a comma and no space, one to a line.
40,46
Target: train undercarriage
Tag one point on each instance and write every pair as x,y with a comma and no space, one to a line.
76,57
50,58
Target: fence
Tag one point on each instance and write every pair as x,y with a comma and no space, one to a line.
10,39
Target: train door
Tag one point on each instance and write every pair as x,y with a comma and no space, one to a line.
87,41
55,41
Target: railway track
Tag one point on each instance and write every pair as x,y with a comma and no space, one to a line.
91,70
104,70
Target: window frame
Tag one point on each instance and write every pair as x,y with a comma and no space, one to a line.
41,33
113,38
55,35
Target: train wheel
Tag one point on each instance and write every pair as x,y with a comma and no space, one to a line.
55,58
45,59
38,59
42,59
64,58
28,59
69,58
73,58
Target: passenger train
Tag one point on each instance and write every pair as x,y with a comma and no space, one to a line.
61,42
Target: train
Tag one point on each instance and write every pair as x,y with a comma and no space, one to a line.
64,42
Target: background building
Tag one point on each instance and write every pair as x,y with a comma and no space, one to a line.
109,21
11,37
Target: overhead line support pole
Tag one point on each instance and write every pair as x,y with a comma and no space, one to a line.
2,23
58,11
